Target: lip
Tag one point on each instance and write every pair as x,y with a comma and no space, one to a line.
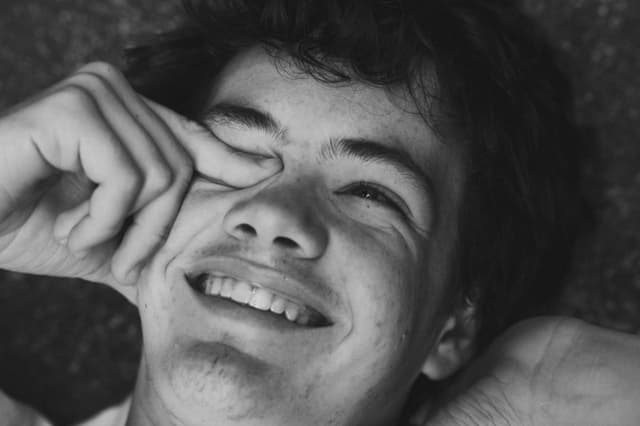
308,292
256,318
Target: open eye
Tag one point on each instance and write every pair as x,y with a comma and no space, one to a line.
376,194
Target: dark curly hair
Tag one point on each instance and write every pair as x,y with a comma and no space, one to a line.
499,92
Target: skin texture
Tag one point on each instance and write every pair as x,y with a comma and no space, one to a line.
98,182
549,371
200,364
81,157
379,272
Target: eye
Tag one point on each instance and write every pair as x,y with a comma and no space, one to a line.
376,194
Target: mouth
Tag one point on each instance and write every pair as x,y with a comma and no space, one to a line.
253,295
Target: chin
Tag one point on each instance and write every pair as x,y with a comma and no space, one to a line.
211,383
217,381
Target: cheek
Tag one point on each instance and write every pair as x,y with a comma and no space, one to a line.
376,355
196,213
386,313
382,282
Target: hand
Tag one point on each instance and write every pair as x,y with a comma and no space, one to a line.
550,371
90,155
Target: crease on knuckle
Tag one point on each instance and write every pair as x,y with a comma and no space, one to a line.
102,77
157,235
95,82
162,235
183,172
132,179
118,269
159,179
109,225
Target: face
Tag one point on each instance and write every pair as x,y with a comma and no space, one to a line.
309,297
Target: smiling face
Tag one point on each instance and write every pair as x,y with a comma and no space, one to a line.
309,297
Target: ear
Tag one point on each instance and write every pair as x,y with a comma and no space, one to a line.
455,344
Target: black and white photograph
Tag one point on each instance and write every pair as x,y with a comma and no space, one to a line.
319,213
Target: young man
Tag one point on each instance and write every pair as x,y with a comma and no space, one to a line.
362,193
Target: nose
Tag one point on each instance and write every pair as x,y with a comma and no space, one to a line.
278,220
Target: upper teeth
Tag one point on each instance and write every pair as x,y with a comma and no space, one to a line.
258,297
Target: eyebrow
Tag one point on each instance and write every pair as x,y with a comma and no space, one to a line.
364,150
368,151
244,116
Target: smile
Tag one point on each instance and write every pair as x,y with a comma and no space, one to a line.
254,295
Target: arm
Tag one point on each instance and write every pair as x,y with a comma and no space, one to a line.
550,371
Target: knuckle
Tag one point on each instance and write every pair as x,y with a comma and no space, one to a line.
159,179
101,68
184,168
110,226
132,178
72,97
156,235
119,270
161,235
183,177
101,76
182,172
96,85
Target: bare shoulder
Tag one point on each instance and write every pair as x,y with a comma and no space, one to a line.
14,413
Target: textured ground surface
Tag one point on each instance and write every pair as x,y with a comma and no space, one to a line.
70,347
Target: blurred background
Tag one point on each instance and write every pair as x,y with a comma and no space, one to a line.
71,348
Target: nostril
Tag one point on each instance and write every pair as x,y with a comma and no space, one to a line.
247,230
285,242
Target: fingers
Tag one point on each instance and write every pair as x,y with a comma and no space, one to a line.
126,173
132,157
213,158
138,140
141,156
166,171
66,221
104,160
146,234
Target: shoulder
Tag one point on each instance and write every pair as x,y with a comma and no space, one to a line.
14,413
113,416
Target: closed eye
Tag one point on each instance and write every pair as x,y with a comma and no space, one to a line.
199,176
